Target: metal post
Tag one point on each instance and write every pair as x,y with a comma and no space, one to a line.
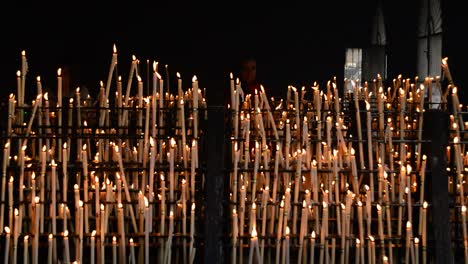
215,186
436,132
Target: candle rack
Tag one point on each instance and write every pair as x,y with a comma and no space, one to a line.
329,178
98,179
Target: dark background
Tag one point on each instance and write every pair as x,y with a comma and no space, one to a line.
295,43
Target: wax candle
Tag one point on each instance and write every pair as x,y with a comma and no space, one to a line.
279,227
93,246
67,247
235,233
312,247
192,232
49,249
114,250
254,246
7,244
408,241
36,229
26,249
132,251
416,250
147,228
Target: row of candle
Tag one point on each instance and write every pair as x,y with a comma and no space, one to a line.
300,154
128,192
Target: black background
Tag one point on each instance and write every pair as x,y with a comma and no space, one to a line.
295,43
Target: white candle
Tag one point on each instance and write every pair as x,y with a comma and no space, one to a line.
50,247
67,248
93,246
114,250
7,244
132,251
147,228
36,230
25,249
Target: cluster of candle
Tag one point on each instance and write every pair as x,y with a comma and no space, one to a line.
297,178
126,182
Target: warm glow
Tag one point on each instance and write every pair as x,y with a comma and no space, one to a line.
93,233
408,225
114,48
313,234
65,233
193,207
254,232
194,78
38,78
18,73
287,230
463,209
324,205
7,230
173,142
371,238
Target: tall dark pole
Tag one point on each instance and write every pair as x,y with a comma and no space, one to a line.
436,132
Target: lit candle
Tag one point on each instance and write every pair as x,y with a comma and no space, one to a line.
53,204
114,250
195,106
192,233
80,231
408,241
93,246
147,228
312,246
324,231
358,250
361,227
67,248
36,230
465,241
6,158
302,229
25,249
171,169
423,231
416,249
279,227
132,251
254,247
7,244
234,235
50,247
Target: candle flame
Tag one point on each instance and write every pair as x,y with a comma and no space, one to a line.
343,207
368,106
93,233
287,230
416,240
408,225
454,90
114,48
455,140
254,232
359,203
254,206
38,78
171,214
65,233
425,205
193,207
18,73
324,204
7,230
371,238
173,142
26,237
16,212
444,61
102,207
114,239
194,78
379,207
36,199
53,163
304,204
463,209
